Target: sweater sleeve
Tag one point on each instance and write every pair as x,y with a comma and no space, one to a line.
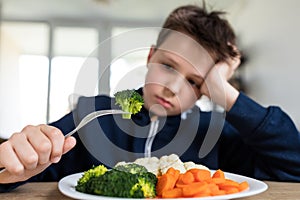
272,137
65,124
78,159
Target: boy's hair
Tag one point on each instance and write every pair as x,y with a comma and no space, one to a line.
207,28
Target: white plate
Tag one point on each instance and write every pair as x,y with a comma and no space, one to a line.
67,186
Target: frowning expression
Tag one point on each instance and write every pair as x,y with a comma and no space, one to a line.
176,71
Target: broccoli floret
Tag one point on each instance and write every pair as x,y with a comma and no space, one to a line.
96,171
118,183
114,183
132,168
147,182
129,101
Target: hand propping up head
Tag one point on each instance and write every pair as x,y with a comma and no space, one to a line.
216,85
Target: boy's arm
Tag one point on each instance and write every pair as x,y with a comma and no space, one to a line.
15,150
272,137
269,134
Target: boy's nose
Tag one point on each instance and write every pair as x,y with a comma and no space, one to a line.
167,92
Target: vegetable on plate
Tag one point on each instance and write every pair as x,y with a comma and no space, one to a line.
128,181
169,177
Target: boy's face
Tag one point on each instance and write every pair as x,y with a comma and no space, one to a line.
176,72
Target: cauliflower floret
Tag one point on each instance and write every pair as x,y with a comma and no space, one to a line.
153,159
163,159
151,164
141,161
177,165
159,166
121,163
146,161
153,168
189,165
172,160
192,165
173,157
198,166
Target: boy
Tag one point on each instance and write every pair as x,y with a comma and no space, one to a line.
197,58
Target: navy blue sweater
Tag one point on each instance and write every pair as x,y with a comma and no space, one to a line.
250,140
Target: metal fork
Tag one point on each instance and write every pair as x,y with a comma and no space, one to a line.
86,120
92,116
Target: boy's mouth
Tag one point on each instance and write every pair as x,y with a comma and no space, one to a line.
164,102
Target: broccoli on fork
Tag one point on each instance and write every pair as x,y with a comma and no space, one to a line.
129,101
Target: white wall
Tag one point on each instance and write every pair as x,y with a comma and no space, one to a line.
9,87
269,32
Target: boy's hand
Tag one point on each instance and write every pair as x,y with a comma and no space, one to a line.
31,151
216,85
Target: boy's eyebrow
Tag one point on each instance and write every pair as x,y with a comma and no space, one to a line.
170,59
197,77
173,61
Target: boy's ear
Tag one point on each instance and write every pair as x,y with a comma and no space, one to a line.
151,52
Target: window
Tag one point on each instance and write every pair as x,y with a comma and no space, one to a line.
24,72
130,48
73,49
33,73
23,64
64,73
37,90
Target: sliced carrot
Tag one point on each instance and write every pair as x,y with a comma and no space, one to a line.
173,171
164,183
200,174
218,174
187,178
179,184
229,182
229,186
218,180
214,189
243,186
204,193
173,193
230,189
196,183
193,189
219,192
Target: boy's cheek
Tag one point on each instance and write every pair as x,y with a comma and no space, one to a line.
189,98
154,76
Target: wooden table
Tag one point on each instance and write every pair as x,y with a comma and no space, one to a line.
276,190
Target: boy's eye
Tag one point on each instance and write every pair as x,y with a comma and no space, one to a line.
168,67
194,84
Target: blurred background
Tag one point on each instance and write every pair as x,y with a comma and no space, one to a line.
45,44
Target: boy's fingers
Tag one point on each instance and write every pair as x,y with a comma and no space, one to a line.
57,141
11,163
70,142
4,176
39,141
25,152
31,151
234,62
